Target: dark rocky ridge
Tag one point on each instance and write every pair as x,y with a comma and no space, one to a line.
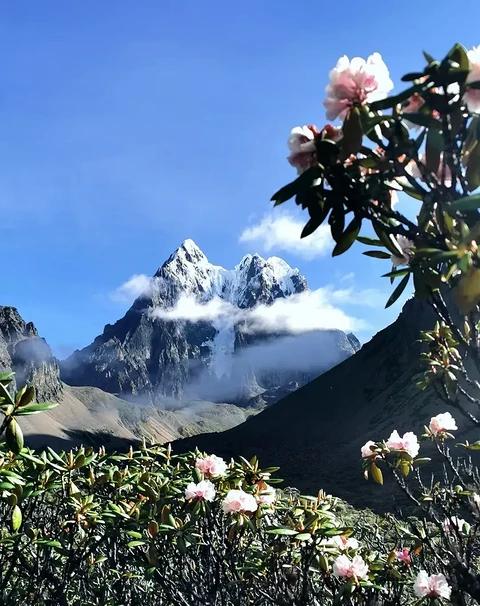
315,434
144,357
28,355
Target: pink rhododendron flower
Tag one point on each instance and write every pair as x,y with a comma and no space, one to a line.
442,423
366,451
345,567
356,82
472,95
204,490
433,586
407,443
211,466
302,147
406,249
239,501
403,555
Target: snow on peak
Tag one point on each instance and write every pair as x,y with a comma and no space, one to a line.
254,280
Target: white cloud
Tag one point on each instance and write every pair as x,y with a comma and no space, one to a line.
300,313
136,286
281,232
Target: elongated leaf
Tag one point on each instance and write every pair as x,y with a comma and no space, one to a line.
467,203
348,237
282,531
32,409
16,518
394,100
398,291
369,241
301,183
376,473
14,436
352,133
434,148
377,254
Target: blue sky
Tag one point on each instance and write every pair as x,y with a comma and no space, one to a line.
127,127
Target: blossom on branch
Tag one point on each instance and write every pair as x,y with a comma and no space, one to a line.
356,82
366,450
433,586
407,443
203,491
347,568
239,501
406,249
211,466
442,424
302,147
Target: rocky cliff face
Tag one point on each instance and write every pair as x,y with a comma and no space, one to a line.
28,355
190,335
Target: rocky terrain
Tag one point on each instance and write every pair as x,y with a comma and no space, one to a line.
87,414
198,332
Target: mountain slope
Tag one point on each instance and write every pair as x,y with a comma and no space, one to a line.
23,351
316,433
199,331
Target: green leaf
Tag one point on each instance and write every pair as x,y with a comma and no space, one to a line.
16,518
396,273
376,473
32,409
458,54
282,531
369,241
301,183
27,396
394,100
14,436
472,173
378,254
348,237
6,376
352,132
398,291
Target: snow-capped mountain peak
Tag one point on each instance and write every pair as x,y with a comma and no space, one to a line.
254,280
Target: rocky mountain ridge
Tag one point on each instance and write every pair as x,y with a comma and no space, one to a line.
214,350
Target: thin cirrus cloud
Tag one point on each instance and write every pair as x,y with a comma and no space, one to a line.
281,232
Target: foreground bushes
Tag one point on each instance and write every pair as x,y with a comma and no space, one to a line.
151,527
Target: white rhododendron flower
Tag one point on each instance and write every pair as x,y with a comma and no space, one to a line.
442,423
347,568
406,250
211,466
204,490
239,501
355,82
472,95
302,147
366,451
433,586
407,443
